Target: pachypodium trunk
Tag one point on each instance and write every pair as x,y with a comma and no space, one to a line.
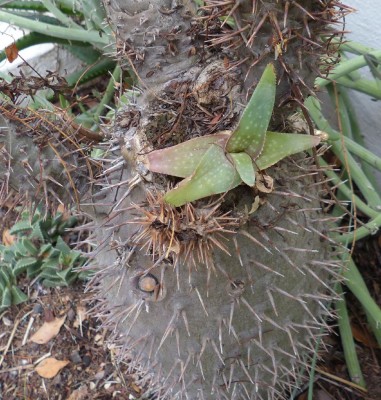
221,296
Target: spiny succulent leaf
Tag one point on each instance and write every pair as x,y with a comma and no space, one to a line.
280,145
214,174
244,166
17,295
5,277
6,298
181,160
29,246
250,134
23,264
20,226
62,246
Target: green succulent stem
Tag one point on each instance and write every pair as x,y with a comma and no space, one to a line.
343,146
364,86
355,283
61,16
346,68
34,38
53,30
370,228
109,93
68,7
347,191
351,145
357,174
347,340
353,47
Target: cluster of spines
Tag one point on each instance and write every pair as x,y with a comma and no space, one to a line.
187,234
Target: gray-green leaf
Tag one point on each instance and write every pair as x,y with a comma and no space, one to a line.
280,145
244,166
250,133
214,174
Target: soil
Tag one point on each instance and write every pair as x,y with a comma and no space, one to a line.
91,372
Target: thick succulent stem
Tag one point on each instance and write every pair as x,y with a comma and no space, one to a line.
221,298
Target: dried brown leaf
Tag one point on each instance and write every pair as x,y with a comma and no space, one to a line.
50,367
11,52
264,183
255,205
48,331
8,239
362,335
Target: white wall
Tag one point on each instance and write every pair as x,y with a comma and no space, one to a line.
8,35
365,27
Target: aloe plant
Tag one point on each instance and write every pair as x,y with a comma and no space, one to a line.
40,252
217,163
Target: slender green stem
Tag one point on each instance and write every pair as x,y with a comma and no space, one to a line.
110,90
358,137
355,170
347,192
370,228
52,30
355,148
68,7
357,286
357,175
355,48
347,67
347,341
341,111
62,17
34,38
355,127
362,85
365,155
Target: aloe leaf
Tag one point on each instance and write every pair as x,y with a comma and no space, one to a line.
244,166
250,134
5,278
45,250
214,174
280,145
181,160
29,246
62,246
6,298
17,295
20,226
23,264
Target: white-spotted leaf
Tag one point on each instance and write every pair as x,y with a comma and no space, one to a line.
215,174
244,166
280,145
250,134
181,160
